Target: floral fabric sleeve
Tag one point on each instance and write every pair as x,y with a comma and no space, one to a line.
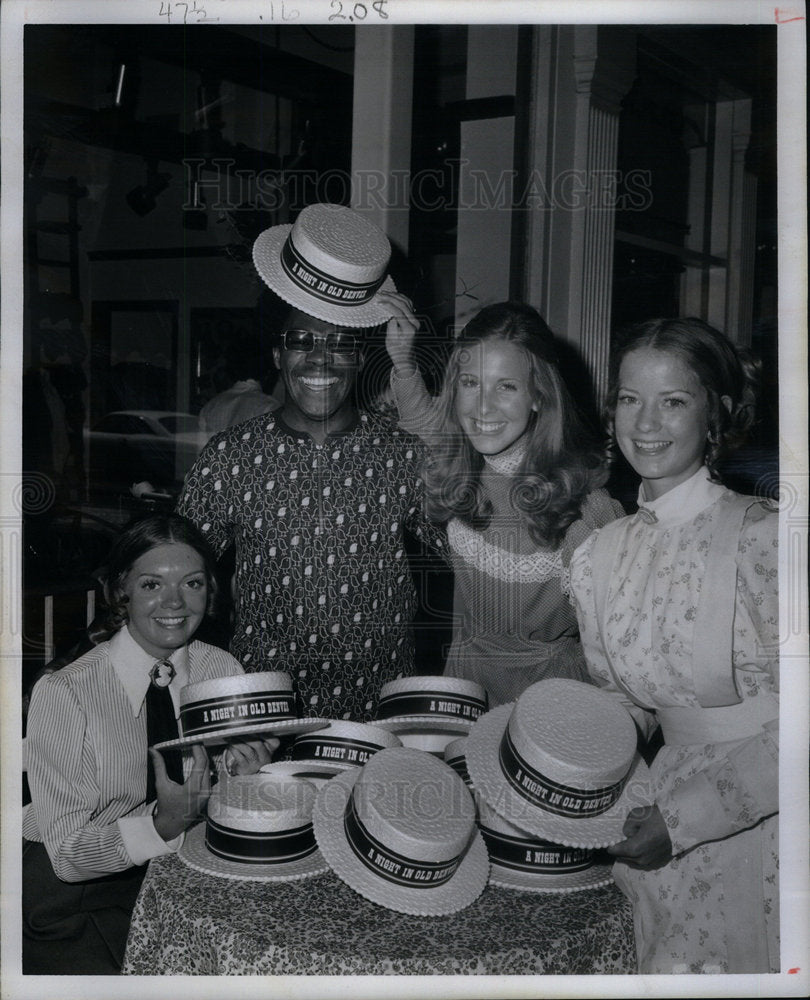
581,576
739,787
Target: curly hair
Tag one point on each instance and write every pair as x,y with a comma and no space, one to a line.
131,544
723,370
561,464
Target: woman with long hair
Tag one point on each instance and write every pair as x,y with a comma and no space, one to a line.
518,481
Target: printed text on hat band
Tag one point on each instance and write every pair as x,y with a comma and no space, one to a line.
550,795
389,865
533,855
323,748
322,285
235,710
430,703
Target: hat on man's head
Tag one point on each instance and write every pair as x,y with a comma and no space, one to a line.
561,763
330,264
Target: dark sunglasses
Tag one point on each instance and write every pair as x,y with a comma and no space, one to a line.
337,345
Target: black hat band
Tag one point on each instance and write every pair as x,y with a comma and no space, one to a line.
235,711
534,855
341,751
549,795
387,864
442,704
259,848
322,285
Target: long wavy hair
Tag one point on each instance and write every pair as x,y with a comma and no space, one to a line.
721,368
561,463
131,544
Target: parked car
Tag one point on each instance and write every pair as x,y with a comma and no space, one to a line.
131,446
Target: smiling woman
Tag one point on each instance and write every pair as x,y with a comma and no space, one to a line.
167,595
679,613
97,812
494,403
516,478
662,419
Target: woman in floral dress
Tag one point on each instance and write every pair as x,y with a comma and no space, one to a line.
678,614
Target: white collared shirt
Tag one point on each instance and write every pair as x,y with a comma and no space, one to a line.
87,756
684,501
133,666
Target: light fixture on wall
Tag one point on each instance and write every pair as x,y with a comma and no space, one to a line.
143,198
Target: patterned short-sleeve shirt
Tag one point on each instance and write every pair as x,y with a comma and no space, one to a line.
324,588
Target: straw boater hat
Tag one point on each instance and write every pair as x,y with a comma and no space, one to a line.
522,861
518,860
330,264
561,763
341,745
428,712
258,828
401,831
237,706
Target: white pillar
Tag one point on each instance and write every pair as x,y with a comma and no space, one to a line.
741,231
381,127
486,175
581,75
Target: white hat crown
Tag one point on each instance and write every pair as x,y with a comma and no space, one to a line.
330,264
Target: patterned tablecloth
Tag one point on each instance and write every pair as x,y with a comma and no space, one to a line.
187,923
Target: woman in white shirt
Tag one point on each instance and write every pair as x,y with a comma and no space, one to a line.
92,825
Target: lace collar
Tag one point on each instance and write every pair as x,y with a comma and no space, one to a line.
508,461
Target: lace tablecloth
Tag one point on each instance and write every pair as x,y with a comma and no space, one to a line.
188,923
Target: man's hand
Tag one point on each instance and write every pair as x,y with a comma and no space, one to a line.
178,806
400,333
647,844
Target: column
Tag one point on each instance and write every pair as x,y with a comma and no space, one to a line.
581,75
486,173
381,127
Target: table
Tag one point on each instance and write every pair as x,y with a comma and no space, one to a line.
189,923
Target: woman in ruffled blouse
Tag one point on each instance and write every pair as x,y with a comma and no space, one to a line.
517,480
679,615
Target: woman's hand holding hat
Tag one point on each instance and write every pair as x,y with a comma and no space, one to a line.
400,332
249,756
647,845
178,806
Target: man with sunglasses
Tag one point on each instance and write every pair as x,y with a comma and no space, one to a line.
317,496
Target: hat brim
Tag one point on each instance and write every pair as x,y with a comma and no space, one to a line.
425,723
267,261
298,769
196,855
460,891
315,768
591,878
269,728
483,766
